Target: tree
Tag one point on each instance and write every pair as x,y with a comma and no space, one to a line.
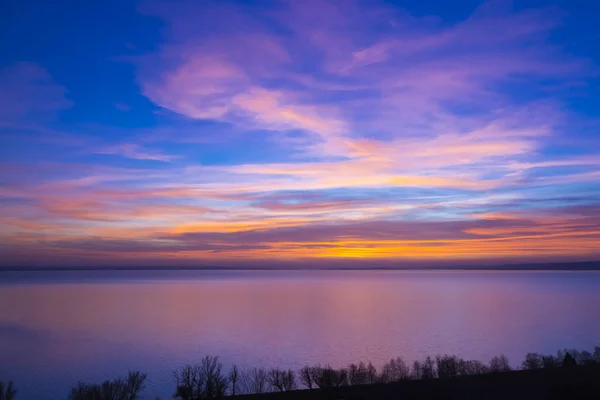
255,381
201,381
306,376
569,360
284,381
472,367
234,377
499,364
357,374
371,373
135,384
447,366
597,354
550,361
328,377
394,370
532,361
428,369
216,382
7,391
585,357
120,389
289,381
417,370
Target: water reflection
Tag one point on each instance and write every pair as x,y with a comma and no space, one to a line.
72,326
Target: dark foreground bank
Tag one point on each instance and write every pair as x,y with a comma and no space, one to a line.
577,382
571,374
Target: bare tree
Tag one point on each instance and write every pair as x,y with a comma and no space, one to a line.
417,370
234,377
282,380
358,374
120,389
581,357
190,382
472,367
216,382
428,369
532,361
353,374
306,376
135,384
394,370
447,366
201,381
255,381
7,391
550,361
371,373
275,378
328,377
499,364
289,380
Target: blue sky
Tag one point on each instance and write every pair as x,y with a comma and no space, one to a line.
301,133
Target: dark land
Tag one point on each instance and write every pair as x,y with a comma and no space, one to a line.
577,382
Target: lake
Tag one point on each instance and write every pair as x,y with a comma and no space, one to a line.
58,328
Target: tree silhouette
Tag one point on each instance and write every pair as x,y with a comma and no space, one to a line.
120,389
417,370
284,381
306,376
499,364
532,361
255,381
371,373
234,377
569,360
201,381
328,377
550,361
289,381
7,391
394,370
447,366
428,369
358,374
472,367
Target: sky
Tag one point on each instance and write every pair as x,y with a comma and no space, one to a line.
299,133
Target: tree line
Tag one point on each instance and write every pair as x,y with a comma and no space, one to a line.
208,379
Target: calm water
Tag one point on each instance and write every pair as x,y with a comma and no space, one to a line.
62,327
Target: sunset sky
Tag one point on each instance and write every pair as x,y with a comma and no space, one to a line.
299,132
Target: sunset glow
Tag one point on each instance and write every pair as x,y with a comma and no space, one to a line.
299,133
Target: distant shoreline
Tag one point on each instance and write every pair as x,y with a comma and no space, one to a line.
576,266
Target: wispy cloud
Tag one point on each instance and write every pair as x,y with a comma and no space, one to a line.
137,152
28,91
361,131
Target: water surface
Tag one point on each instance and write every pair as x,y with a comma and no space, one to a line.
57,328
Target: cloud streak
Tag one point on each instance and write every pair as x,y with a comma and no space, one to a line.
299,133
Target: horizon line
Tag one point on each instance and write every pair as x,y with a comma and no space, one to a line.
558,266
